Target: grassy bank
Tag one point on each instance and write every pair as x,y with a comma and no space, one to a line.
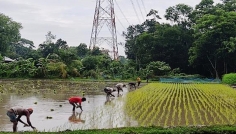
152,130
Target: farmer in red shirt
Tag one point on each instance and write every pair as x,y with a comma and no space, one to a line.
74,102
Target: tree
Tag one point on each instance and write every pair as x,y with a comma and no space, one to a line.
1,58
180,14
49,47
154,14
149,24
75,68
82,50
49,38
159,68
23,48
60,44
214,46
46,49
9,32
67,56
227,5
132,46
168,43
90,62
201,9
115,68
95,51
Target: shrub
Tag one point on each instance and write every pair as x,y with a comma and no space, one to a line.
229,78
90,74
57,69
75,68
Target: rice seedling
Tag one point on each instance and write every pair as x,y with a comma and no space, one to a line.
172,104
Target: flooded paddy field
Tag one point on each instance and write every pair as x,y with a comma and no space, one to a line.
156,104
52,112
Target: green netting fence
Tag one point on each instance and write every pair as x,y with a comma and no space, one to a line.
189,80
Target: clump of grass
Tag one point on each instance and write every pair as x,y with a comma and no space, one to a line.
54,91
60,105
52,109
35,103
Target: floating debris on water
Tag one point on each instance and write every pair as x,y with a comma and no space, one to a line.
48,117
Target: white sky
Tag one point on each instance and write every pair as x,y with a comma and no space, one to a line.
72,20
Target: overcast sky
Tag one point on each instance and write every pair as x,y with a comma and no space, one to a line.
72,20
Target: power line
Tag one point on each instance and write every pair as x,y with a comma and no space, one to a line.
144,7
122,12
120,22
135,11
122,26
140,10
120,34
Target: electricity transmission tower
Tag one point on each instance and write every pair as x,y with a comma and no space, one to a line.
104,27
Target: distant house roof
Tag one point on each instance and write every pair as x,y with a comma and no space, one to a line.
7,59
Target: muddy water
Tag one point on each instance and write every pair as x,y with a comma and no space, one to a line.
98,113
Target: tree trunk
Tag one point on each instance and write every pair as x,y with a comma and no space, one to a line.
214,67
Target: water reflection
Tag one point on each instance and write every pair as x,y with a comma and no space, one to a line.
76,117
119,95
108,100
95,114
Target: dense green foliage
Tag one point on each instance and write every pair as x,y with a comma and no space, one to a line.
199,40
229,78
9,33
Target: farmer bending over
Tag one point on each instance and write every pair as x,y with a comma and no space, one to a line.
15,114
108,91
119,87
74,102
132,84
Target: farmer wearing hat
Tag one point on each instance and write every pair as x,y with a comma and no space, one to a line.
15,114
75,100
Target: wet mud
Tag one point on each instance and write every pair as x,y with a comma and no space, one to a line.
52,112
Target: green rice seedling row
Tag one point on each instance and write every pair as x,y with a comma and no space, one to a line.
178,104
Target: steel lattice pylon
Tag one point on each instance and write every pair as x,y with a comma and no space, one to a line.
104,15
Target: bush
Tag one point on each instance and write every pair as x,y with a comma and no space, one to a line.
57,69
229,78
90,74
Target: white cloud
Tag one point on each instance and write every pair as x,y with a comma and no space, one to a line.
72,20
